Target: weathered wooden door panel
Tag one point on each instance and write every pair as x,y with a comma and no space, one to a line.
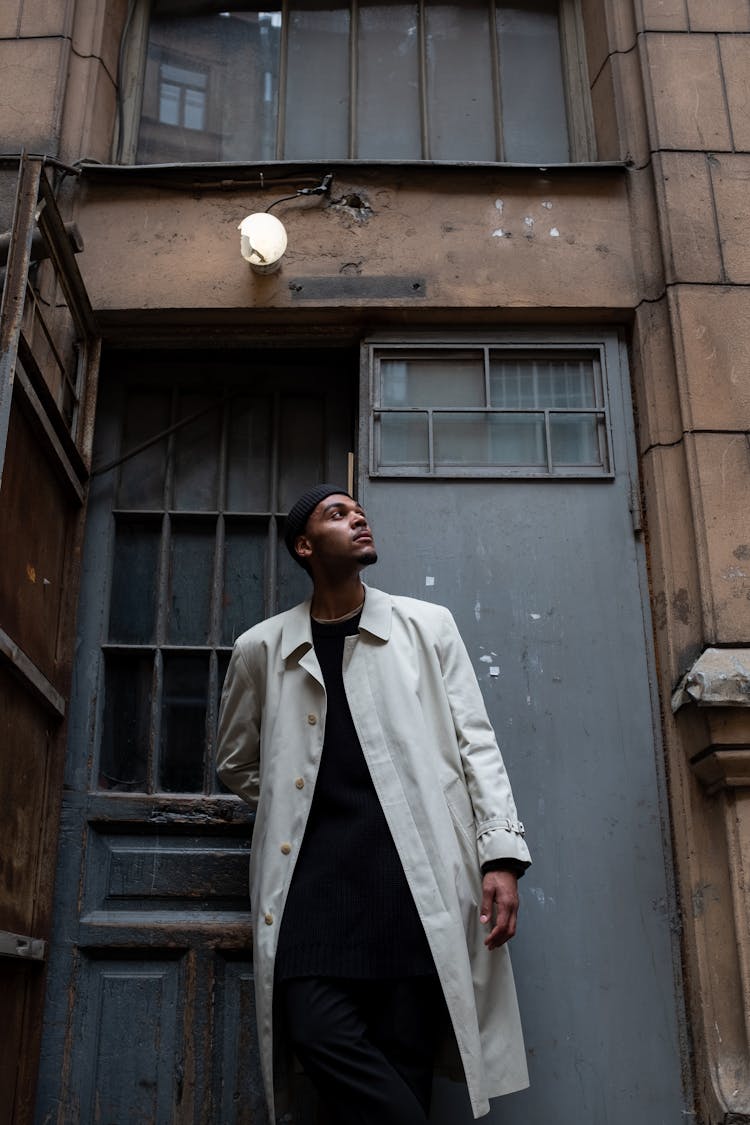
150,1003
546,579
48,364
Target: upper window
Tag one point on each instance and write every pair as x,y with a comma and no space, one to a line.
360,79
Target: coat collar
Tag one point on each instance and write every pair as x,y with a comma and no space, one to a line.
375,619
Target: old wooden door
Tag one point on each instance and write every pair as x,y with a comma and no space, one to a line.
150,1003
499,477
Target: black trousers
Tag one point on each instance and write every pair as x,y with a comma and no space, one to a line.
368,1046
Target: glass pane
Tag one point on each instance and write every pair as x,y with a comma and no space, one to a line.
489,439
142,476
183,723
249,455
317,95
132,612
223,664
388,114
518,439
432,382
211,88
574,439
302,452
531,82
294,585
460,97
519,382
404,440
196,472
123,764
191,568
244,580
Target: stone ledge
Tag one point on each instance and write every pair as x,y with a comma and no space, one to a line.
720,677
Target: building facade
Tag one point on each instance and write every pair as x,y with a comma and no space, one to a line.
514,315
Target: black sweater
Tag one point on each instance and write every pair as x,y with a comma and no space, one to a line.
349,912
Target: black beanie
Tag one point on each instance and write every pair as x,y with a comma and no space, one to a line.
299,514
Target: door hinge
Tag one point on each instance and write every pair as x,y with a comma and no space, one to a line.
636,510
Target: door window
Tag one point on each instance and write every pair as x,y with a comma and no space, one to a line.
204,480
488,412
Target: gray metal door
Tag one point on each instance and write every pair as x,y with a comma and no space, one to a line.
511,501
149,1017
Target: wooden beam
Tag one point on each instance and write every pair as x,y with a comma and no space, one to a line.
31,676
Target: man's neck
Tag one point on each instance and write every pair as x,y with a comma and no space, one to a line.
332,602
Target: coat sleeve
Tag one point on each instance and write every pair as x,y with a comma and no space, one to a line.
500,834
238,750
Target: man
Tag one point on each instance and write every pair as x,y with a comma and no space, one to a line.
386,845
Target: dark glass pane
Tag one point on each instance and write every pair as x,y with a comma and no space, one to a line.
460,96
404,440
244,579
519,382
183,723
249,455
196,474
302,452
317,96
142,476
294,585
135,575
531,82
211,87
223,664
574,439
489,439
456,381
123,764
388,82
191,568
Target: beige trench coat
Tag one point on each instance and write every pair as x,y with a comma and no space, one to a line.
437,770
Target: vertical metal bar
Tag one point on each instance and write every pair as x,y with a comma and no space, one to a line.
283,68
162,607
487,391
215,612
353,76
547,438
423,111
14,290
272,585
430,442
497,93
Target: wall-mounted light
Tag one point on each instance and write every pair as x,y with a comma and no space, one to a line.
262,241
263,237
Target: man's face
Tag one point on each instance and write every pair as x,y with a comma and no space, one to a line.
337,536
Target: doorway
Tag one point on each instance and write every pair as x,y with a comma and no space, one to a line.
501,479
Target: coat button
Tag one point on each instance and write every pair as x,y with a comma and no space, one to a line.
285,849
312,720
300,783
268,919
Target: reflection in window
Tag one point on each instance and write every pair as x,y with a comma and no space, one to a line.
486,411
182,97
372,79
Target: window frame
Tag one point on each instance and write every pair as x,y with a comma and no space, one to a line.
581,134
527,345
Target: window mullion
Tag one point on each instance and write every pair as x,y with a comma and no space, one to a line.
497,97
353,76
283,68
423,110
